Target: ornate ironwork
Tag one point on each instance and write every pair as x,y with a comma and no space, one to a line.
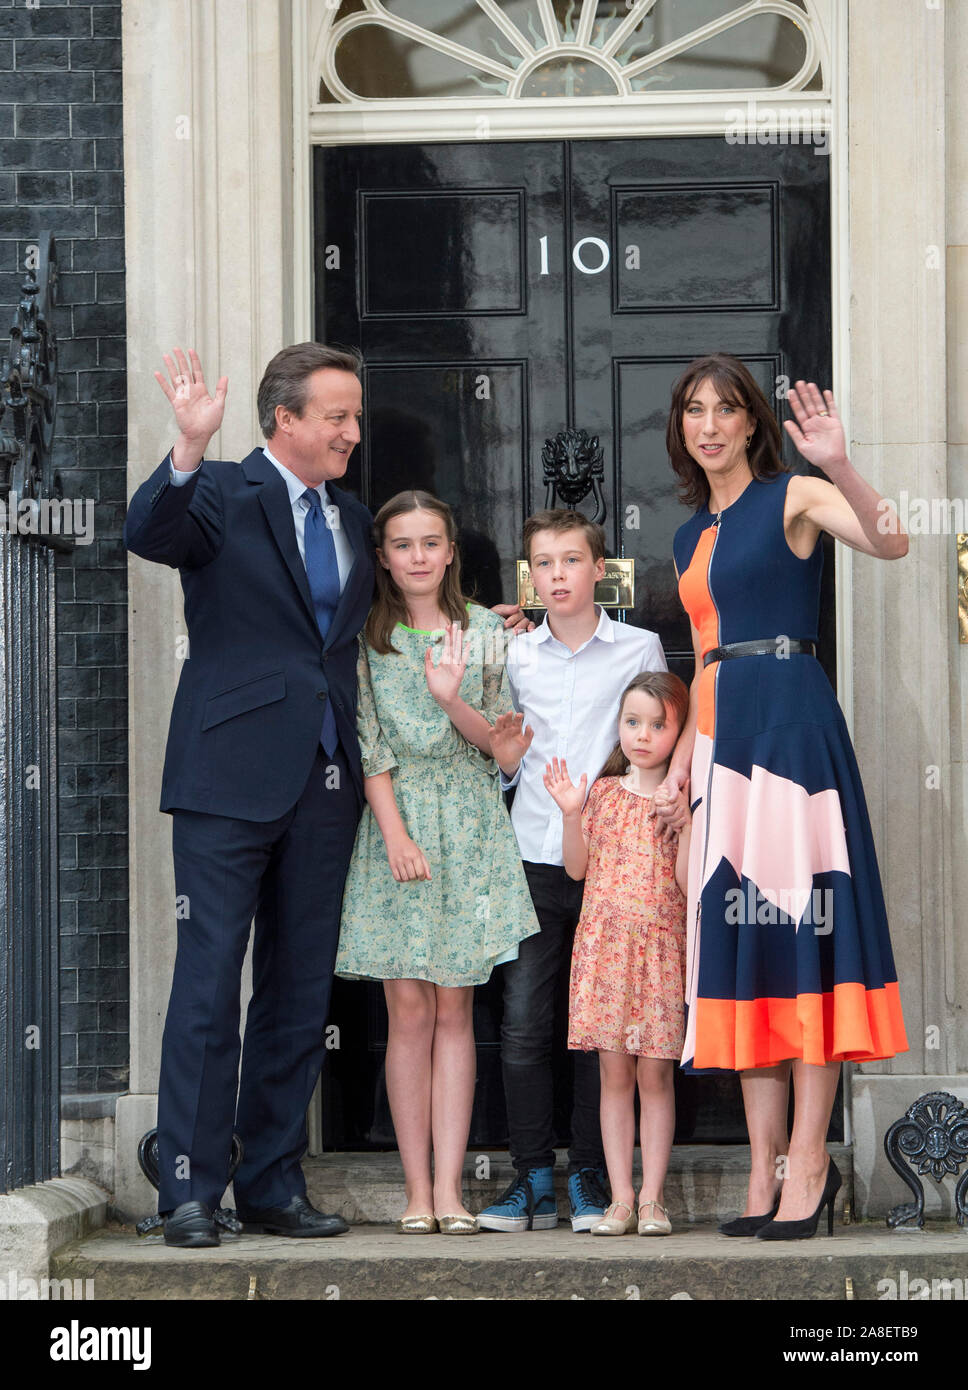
573,468
932,1135
29,1038
149,1165
28,382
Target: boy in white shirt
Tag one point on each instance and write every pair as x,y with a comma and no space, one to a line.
565,678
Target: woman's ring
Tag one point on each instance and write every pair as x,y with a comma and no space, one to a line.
824,412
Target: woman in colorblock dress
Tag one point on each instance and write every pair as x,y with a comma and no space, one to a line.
789,965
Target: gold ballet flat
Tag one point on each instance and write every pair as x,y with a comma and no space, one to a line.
612,1224
654,1225
417,1226
459,1226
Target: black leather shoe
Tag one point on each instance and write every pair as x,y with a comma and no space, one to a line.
299,1218
191,1226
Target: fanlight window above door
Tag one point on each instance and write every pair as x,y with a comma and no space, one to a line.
427,50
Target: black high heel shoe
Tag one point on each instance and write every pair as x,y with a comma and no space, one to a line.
748,1225
802,1230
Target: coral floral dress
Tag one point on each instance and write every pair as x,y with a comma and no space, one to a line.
629,960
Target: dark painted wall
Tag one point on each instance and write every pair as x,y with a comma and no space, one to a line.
61,163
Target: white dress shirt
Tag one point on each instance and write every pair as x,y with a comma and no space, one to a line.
344,551
571,701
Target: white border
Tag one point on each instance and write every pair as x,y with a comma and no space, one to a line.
837,46
840,332
548,118
302,192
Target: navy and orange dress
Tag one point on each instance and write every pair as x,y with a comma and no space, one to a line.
788,951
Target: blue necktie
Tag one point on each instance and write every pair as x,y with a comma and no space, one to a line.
322,572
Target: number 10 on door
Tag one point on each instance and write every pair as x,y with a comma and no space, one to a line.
578,255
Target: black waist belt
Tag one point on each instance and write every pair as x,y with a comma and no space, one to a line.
770,646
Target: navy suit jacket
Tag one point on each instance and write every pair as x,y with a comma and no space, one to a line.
248,712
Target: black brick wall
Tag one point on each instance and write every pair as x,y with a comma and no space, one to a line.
61,169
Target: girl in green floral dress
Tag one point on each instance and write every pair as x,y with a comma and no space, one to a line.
436,894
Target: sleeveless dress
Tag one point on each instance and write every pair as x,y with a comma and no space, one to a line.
629,960
470,915
788,951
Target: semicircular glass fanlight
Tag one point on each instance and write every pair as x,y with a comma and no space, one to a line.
421,50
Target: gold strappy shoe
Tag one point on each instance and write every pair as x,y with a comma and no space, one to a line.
612,1224
459,1226
417,1226
654,1225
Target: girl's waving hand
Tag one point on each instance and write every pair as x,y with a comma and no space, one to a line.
569,797
574,839
444,679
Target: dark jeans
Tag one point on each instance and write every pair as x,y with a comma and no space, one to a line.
532,985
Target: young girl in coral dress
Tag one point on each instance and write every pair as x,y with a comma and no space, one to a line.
628,964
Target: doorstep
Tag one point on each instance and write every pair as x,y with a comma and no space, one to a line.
706,1183
861,1262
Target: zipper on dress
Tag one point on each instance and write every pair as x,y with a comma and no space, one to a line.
712,754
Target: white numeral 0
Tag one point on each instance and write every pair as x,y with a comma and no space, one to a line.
591,241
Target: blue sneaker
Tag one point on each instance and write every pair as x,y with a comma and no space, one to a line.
588,1197
528,1204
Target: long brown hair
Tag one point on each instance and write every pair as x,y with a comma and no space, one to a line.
735,384
389,606
665,687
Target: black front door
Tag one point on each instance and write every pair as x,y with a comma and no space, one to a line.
503,292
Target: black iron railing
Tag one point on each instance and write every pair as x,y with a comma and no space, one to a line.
32,527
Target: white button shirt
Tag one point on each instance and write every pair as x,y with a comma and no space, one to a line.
571,700
344,551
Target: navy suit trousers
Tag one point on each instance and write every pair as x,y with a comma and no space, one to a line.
288,874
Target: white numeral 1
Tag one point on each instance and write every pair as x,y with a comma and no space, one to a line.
544,255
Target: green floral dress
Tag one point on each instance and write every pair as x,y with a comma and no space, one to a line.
470,915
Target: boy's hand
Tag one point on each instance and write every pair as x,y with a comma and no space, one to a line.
407,861
514,619
508,742
569,797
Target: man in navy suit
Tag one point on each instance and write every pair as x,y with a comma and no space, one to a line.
262,777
